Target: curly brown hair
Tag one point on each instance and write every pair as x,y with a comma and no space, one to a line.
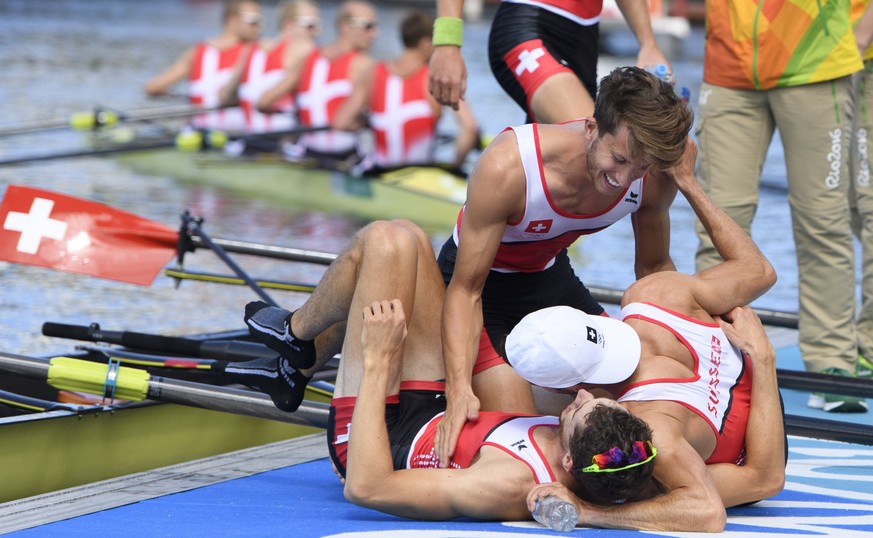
608,427
658,120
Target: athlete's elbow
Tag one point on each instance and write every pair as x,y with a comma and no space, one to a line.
770,482
766,272
355,492
153,90
265,104
711,518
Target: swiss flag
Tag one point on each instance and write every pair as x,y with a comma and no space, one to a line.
539,226
48,229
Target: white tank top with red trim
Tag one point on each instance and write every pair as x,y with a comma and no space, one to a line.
511,434
532,243
717,392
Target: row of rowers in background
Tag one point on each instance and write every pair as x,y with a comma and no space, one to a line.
290,81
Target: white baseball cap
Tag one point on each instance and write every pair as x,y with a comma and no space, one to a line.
560,346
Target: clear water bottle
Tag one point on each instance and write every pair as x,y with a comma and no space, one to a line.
556,514
663,72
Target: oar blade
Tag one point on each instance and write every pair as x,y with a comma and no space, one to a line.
48,229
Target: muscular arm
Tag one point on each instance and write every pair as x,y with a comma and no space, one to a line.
763,475
745,273
228,95
448,73
494,488
636,13
160,84
350,115
468,133
651,224
690,502
494,192
295,58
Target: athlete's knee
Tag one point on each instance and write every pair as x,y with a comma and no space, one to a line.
390,239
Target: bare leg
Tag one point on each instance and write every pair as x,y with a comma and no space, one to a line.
392,260
561,98
385,260
499,388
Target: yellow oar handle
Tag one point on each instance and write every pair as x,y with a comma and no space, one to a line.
199,140
120,382
86,121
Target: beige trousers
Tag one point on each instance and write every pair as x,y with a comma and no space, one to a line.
861,202
814,122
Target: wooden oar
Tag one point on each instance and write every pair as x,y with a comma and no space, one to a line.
831,430
27,403
189,141
102,117
191,228
148,360
775,318
180,274
133,384
224,349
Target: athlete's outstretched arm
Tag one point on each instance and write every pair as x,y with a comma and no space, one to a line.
636,13
495,192
494,488
763,474
448,73
745,274
161,83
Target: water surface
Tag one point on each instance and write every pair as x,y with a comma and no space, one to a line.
65,56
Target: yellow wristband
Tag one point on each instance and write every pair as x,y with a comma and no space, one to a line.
448,31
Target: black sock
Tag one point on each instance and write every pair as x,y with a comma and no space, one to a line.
274,376
271,326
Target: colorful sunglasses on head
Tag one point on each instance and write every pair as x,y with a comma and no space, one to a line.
615,459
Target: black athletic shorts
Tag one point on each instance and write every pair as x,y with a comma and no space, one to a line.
508,297
571,45
404,417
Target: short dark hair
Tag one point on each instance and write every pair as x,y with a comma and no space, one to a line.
417,25
658,120
232,7
608,427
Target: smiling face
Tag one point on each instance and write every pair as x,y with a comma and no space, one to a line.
609,160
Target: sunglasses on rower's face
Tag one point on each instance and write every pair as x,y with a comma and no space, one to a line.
251,17
364,24
309,22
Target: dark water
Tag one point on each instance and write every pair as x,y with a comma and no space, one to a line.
58,57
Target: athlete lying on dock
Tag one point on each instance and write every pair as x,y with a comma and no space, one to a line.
387,352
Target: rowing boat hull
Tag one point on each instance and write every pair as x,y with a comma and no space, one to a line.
428,196
48,451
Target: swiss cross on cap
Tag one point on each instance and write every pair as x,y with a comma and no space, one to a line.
593,336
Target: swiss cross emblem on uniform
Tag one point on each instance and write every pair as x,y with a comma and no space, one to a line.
539,226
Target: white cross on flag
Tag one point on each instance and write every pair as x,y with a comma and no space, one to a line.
49,229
